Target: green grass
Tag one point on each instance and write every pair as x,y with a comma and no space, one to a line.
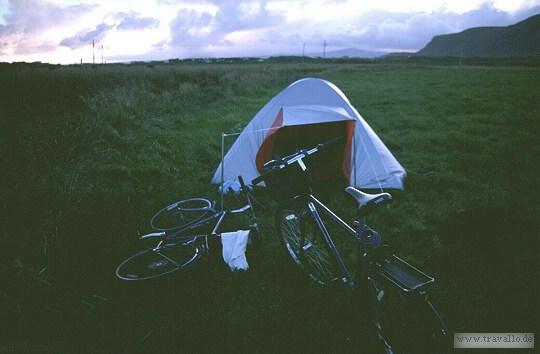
90,153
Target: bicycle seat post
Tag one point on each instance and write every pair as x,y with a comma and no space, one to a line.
359,225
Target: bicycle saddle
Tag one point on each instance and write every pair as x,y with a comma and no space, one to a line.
366,201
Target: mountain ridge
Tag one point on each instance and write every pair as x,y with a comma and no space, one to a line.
521,39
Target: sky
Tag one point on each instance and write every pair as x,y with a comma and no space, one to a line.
62,31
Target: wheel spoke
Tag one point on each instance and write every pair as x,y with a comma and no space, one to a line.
168,258
305,246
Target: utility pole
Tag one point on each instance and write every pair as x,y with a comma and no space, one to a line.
303,51
93,52
102,54
324,49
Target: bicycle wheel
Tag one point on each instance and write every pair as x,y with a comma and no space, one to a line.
181,213
305,246
408,323
152,263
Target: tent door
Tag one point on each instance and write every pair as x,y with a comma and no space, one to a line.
330,164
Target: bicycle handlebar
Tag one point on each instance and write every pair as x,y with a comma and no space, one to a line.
242,184
152,234
246,192
282,163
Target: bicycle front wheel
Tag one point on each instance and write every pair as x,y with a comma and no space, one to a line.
181,213
156,262
305,245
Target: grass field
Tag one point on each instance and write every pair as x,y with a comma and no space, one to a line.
90,152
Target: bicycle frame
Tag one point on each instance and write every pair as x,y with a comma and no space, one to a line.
312,204
172,235
166,237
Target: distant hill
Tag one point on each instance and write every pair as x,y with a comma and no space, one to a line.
519,40
353,53
399,54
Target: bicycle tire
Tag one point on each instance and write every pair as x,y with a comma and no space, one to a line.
152,263
408,323
305,246
181,213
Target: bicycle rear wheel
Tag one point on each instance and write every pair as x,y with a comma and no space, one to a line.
306,246
408,323
156,262
181,213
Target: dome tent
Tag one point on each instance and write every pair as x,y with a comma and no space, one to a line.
307,112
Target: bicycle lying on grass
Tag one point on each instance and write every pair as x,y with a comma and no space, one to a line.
182,230
404,317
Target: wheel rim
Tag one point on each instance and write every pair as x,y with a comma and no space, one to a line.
307,248
181,213
153,263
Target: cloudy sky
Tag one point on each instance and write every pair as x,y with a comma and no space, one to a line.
62,31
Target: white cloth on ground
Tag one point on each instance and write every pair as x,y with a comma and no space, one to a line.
234,249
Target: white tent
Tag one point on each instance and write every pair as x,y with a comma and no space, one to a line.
317,110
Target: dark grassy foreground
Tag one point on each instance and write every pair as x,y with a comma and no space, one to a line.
89,153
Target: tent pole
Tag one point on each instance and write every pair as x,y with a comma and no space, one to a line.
222,167
354,157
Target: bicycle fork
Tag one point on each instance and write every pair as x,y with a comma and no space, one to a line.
346,274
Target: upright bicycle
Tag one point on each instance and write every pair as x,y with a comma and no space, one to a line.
182,231
405,319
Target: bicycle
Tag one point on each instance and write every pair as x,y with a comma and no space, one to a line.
183,230
396,290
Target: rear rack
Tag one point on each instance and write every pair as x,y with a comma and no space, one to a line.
405,276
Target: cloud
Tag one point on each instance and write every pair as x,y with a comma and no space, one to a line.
389,31
132,22
525,12
178,28
26,20
43,47
4,45
191,27
202,29
235,16
30,16
414,30
86,37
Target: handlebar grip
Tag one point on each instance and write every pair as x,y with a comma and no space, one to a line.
151,235
257,180
278,167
